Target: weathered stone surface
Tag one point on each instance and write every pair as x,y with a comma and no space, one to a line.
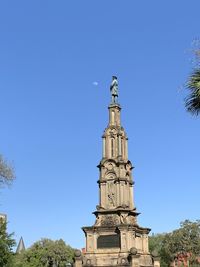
116,239
133,251
77,253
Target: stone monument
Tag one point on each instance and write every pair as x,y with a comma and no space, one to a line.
115,239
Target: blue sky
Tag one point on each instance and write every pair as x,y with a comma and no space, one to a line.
53,115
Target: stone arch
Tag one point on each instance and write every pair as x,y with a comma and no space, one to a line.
110,175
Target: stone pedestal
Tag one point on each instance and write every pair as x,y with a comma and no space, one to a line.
156,261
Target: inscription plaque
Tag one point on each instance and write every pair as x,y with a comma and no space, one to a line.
108,241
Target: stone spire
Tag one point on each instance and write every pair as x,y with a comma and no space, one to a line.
115,239
21,246
115,182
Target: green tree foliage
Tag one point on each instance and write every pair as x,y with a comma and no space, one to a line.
6,172
155,242
157,248
185,240
46,253
6,245
192,101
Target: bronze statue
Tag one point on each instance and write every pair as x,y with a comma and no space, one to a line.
114,89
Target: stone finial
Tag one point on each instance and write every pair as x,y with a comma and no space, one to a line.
133,251
77,253
77,258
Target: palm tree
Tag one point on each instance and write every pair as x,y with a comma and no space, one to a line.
192,102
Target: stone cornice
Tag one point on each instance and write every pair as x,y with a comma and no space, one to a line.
118,211
116,228
101,181
117,161
114,105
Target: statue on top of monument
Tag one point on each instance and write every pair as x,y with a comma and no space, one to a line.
114,89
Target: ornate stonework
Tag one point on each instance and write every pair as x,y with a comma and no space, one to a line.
115,239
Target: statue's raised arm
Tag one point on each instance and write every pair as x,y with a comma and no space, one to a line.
114,89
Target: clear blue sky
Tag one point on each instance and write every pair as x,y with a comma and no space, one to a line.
53,115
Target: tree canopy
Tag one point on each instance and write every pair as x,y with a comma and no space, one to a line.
6,245
46,253
184,241
6,172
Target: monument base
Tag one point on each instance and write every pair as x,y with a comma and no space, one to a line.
115,245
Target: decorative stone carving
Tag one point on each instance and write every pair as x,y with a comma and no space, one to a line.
124,218
88,262
131,220
112,133
110,175
110,166
133,251
111,199
128,167
124,241
123,206
127,219
98,221
77,253
110,220
111,195
124,261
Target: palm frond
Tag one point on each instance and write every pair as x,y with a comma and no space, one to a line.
192,102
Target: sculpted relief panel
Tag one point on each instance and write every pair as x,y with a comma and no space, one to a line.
115,219
110,220
107,220
127,219
107,171
111,194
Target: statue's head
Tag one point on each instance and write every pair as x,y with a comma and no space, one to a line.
114,77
